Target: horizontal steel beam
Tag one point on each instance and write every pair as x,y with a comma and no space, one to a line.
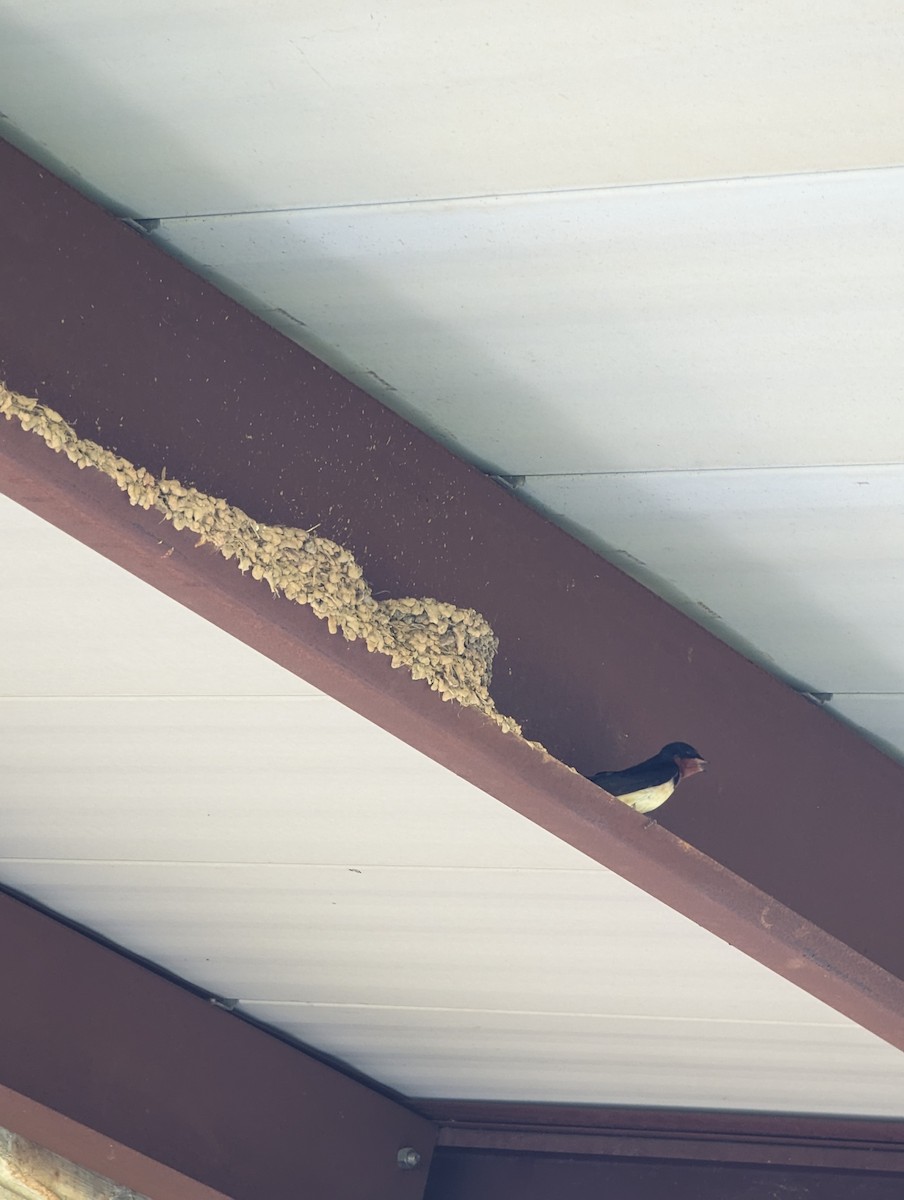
788,1140
496,1175
789,847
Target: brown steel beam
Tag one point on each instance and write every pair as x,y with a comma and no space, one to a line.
136,1078
485,1175
532,1151
789,848
787,1140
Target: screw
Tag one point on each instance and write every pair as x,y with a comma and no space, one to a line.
408,1158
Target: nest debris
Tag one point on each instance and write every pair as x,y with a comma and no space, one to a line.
451,648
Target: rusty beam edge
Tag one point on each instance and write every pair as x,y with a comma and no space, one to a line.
89,507
96,1152
659,1146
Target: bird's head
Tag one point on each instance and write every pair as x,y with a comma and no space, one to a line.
688,760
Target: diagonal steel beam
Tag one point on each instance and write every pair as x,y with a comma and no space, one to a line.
138,1079
789,848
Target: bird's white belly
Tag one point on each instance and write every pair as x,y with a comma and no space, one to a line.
649,798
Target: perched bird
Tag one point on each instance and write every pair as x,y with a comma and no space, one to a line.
650,783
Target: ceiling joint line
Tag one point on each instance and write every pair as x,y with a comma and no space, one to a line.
501,197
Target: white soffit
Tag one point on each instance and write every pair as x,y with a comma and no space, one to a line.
750,323
703,381
805,562
214,814
194,106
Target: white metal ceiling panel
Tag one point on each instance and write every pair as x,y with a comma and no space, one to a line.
881,717
234,779
510,941
806,564
606,1060
194,106
478,984
72,642
751,323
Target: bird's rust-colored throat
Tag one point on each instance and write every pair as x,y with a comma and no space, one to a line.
690,766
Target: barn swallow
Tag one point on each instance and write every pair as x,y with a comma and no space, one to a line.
650,783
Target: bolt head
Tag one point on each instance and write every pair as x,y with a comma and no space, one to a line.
408,1158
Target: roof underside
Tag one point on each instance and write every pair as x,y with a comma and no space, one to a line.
698,373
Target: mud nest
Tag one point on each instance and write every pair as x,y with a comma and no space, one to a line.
451,648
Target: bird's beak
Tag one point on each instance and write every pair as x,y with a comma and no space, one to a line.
691,766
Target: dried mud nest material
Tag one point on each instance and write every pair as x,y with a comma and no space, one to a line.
451,648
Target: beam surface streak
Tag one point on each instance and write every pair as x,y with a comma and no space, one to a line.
789,846
132,1076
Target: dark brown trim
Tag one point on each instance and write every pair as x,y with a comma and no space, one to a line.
502,1175
789,847
132,1076
829,1143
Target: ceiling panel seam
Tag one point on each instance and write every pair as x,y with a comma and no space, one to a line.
500,198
